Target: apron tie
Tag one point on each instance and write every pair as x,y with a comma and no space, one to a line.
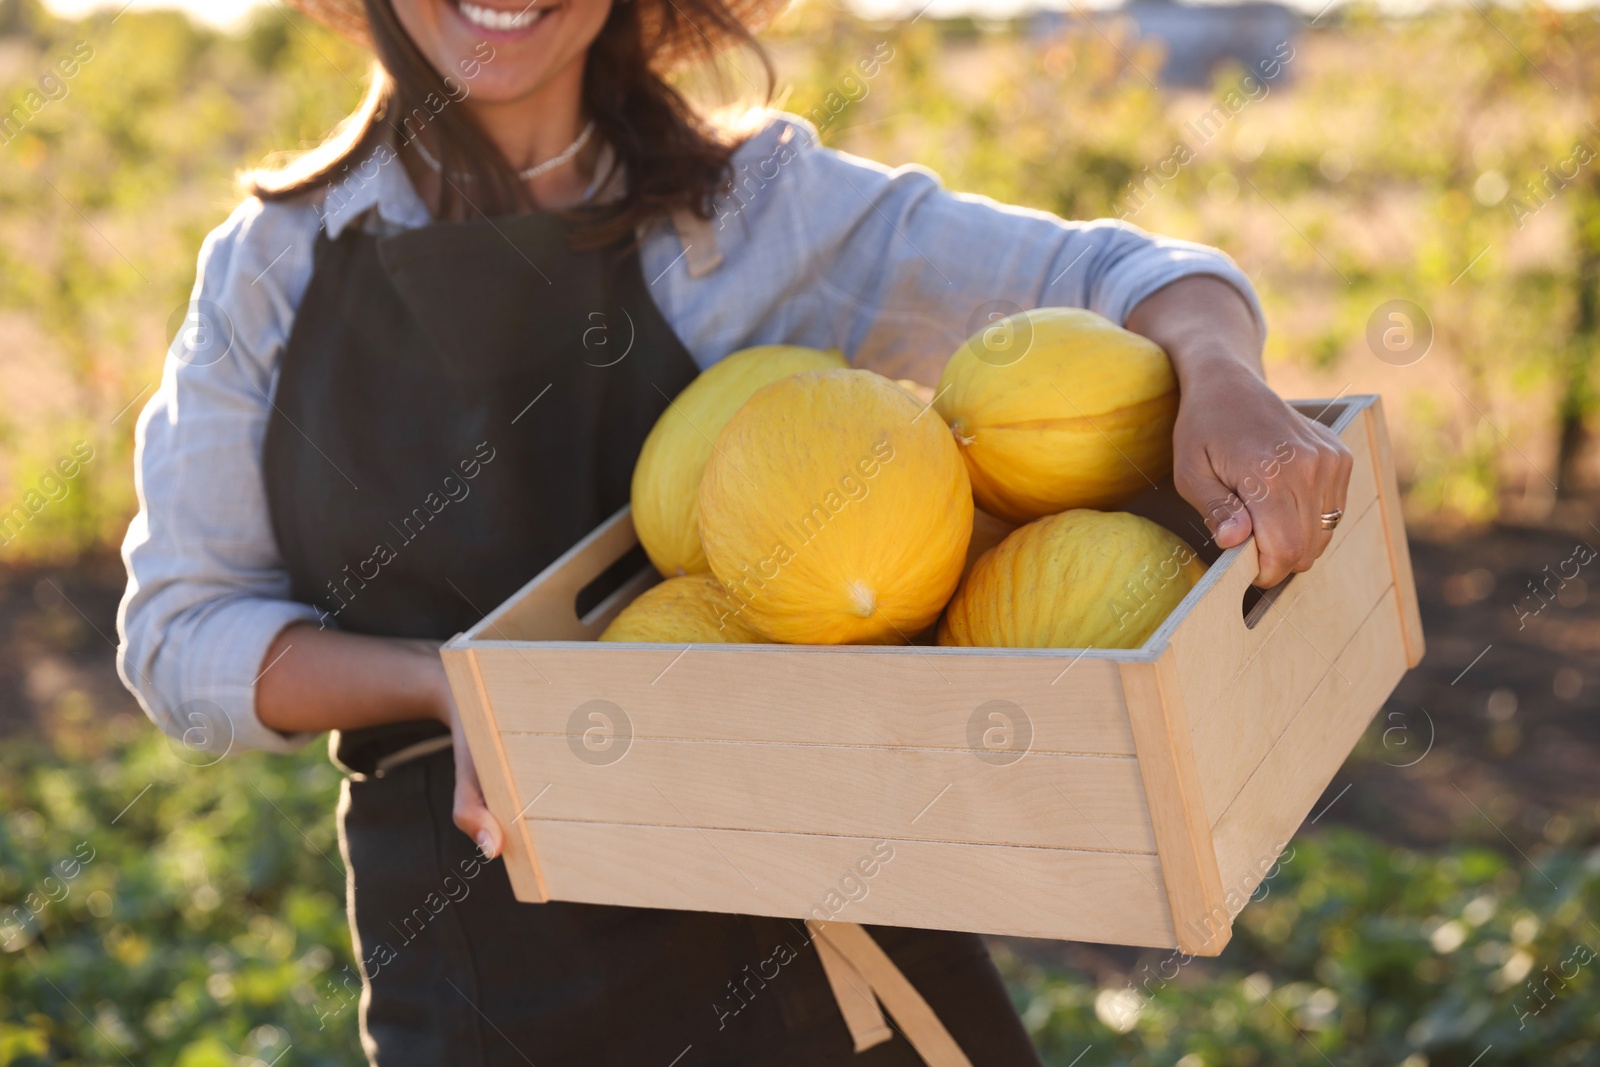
861,974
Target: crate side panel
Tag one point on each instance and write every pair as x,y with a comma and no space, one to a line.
995,889
1301,642
1281,792
1086,802
1177,804
1394,524
499,783
801,696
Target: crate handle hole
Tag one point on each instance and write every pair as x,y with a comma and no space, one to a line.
1258,601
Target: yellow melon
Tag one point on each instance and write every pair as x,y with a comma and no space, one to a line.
692,609
1081,579
666,478
836,510
1058,408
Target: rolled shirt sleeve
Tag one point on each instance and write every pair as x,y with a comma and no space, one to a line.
207,591
835,251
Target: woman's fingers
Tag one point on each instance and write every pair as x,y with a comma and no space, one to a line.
472,816
1284,539
1332,479
1225,514
1268,472
468,809
1322,490
1309,483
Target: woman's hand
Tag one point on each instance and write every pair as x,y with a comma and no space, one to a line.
471,813
1250,463
1242,457
314,679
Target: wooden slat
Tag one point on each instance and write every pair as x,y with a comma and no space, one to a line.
1381,467
1177,805
995,889
940,795
1281,792
1206,633
1300,641
785,695
494,774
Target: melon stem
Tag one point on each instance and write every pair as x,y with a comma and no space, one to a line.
862,600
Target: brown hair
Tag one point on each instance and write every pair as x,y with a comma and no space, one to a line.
674,158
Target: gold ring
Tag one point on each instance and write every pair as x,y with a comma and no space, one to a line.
1330,519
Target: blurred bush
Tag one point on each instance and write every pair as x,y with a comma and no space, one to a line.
106,191
160,909
172,911
1446,158
1443,158
1357,953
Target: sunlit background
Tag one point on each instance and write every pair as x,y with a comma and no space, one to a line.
1414,191
232,14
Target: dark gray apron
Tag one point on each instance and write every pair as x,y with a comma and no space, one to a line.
457,406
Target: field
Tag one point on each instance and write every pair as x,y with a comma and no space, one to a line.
157,908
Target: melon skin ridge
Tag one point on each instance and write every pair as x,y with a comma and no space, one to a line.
692,609
1080,579
1082,418
665,491
833,513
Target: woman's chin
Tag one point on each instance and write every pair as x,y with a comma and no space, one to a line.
501,67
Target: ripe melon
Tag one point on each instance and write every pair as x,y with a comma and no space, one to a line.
666,479
1081,579
1072,411
836,509
693,609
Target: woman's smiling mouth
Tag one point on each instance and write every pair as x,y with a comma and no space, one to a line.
499,20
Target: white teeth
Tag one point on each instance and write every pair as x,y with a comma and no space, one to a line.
491,19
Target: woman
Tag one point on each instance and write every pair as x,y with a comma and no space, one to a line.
421,363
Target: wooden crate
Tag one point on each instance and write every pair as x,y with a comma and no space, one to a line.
1131,797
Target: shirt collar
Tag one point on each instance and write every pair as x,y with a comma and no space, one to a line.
380,182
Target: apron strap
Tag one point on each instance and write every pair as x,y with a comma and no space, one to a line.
857,969
859,1007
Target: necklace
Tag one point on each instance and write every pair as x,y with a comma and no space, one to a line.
532,172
